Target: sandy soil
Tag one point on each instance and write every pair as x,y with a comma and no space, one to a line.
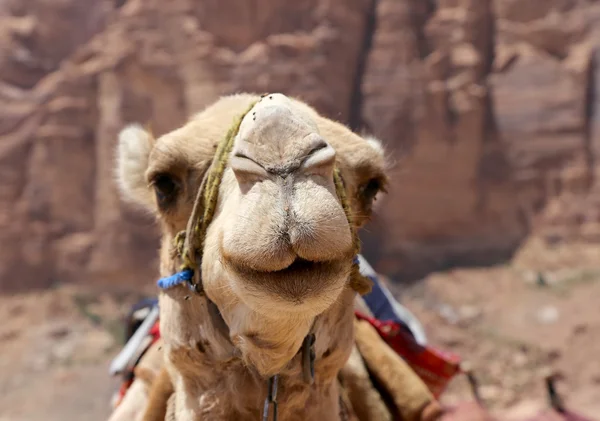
513,331
509,323
55,348
515,323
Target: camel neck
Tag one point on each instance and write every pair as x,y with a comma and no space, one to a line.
219,371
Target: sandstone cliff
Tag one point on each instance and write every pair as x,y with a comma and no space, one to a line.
490,111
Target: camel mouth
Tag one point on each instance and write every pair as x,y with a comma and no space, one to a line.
298,265
298,268
302,285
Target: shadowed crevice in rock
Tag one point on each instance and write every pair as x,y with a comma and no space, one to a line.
590,125
594,98
356,101
421,12
494,166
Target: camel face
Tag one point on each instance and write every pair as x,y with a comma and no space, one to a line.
283,237
280,240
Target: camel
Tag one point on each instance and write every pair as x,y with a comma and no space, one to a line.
276,274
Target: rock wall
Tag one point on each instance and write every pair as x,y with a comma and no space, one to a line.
490,112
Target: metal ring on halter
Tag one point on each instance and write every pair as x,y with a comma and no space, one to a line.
308,358
271,398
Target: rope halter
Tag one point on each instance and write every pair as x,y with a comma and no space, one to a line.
189,244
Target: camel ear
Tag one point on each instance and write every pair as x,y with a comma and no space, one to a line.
371,178
133,151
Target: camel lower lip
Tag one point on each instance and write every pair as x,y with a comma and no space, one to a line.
299,267
298,285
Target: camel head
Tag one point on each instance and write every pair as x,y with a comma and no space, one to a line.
280,242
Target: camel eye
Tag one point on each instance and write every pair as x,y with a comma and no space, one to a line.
165,188
370,190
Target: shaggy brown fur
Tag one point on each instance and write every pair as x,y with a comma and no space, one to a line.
277,204
160,392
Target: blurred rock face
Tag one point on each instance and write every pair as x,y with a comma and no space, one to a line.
490,111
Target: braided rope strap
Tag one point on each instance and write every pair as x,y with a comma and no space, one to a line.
359,283
190,243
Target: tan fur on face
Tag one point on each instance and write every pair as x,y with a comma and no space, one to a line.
263,222
279,204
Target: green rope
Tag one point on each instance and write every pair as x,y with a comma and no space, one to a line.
359,283
191,251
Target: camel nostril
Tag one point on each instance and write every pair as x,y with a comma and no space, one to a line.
246,169
321,144
320,161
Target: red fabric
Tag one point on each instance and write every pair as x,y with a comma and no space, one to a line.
122,390
155,331
435,367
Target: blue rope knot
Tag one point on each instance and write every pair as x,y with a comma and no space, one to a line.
167,282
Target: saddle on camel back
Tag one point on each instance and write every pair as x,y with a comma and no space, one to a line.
393,373
263,286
